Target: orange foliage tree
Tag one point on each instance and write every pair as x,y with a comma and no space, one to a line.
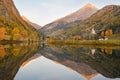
16,34
108,33
102,34
2,33
2,51
15,31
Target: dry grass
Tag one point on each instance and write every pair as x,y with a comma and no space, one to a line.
86,42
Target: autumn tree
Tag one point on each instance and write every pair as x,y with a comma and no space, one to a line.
16,34
2,33
102,34
108,33
15,31
24,34
2,51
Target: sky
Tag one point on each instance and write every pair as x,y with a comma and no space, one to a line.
43,12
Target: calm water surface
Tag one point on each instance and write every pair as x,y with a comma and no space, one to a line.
37,62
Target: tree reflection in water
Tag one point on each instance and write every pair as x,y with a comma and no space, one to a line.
87,61
12,56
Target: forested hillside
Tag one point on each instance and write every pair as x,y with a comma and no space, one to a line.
12,26
105,22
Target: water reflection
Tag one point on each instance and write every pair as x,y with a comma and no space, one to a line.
33,62
12,56
2,51
89,64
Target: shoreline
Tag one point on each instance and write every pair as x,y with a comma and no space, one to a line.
86,42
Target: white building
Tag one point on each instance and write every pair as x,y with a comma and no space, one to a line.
93,31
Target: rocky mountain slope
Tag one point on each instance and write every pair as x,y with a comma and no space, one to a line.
12,26
36,26
63,23
105,19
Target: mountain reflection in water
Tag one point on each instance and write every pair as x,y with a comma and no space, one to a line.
12,56
33,62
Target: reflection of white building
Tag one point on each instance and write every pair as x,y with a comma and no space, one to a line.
93,51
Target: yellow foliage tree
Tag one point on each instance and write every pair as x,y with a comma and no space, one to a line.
16,34
102,34
2,51
24,33
109,33
15,31
2,33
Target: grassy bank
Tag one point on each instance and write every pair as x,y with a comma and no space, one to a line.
86,42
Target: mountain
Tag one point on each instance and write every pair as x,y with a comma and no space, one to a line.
62,23
36,26
12,26
81,14
103,20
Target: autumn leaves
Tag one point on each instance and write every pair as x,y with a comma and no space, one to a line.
16,31
17,34
107,33
2,51
2,33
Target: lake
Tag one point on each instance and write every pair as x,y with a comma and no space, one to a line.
59,62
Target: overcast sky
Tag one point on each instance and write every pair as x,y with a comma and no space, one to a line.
45,11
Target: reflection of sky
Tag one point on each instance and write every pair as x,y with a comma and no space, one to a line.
45,11
45,69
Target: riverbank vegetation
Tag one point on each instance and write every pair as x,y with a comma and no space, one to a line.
85,42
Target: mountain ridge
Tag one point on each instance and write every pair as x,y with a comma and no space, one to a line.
36,26
75,16
104,19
